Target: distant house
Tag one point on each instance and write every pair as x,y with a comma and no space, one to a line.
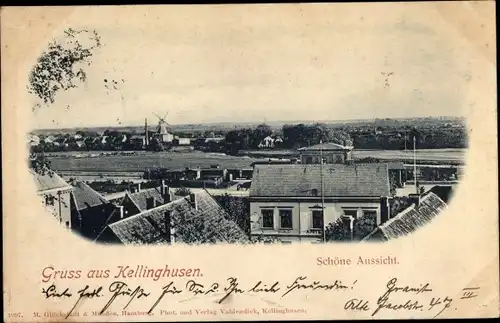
80,144
267,142
77,137
138,141
61,142
332,153
91,208
214,140
33,140
183,141
56,196
286,200
195,219
50,139
409,220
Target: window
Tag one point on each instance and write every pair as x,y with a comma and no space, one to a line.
286,219
309,160
268,219
353,213
317,218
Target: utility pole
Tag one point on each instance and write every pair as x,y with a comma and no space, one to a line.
415,162
322,191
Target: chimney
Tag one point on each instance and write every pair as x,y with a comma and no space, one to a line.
168,226
415,199
146,132
121,211
165,192
384,210
192,201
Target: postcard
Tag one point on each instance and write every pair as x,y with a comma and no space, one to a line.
250,162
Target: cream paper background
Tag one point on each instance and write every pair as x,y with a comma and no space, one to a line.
459,249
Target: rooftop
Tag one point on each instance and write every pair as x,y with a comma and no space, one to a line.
326,146
86,197
409,220
49,181
207,224
339,180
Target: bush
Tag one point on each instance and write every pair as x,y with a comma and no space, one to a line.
182,191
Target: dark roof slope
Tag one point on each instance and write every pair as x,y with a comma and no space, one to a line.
140,198
409,220
86,197
338,179
207,224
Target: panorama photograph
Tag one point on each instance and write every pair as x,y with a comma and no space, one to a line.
233,129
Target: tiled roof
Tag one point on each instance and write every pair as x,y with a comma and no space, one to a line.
140,198
409,220
86,197
302,180
326,146
49,181
207,224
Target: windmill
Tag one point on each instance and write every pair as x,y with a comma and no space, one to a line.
162,132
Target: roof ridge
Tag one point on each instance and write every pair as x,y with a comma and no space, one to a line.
96,192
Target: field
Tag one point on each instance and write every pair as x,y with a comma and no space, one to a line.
138,162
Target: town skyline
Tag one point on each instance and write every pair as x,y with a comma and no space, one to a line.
152,122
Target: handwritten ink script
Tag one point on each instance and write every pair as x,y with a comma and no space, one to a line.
411,299
118,298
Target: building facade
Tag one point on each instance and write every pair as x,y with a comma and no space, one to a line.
332,154
56,196
287,202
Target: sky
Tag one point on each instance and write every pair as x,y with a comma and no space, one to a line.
258,63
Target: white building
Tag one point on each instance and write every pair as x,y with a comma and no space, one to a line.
332,153
56,196
286,200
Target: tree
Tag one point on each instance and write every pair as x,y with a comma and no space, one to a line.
259,133
393,184
364,225
336,231
238,210
300,135
61,65
182,191
398,204
40,164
